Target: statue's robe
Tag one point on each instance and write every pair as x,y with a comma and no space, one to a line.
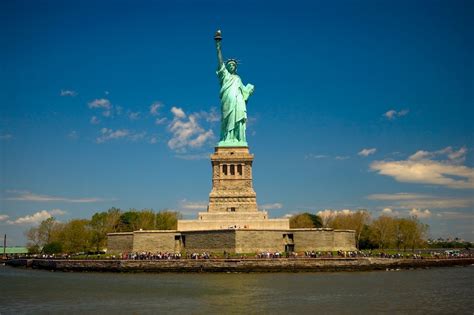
233,95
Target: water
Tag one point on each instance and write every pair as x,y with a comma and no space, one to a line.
439,290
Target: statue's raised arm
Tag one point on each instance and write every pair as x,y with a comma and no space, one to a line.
218,39
234,96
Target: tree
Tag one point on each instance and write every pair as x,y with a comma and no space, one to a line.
46,232
76,236
102,223
147,220
129,221
410,233
383,231
317,221
301,220
365,241
98,225
351,221
167,220
53,248
113,220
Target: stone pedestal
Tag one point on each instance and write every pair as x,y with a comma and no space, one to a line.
232,201
232,188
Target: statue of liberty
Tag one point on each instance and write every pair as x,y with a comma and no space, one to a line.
234,96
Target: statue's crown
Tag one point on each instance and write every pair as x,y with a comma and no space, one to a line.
237,62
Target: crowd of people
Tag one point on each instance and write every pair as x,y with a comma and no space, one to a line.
164,256
443,254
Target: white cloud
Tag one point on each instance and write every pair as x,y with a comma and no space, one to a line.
154,108
330,212
37,217
201,139
397,196
327,214
315,156
134,115
109,134
437,203
100,103
153,140
103,104
193,205
392,114
456,156
187,131
94,120
211,116
367,152
419,201
28,196
390,212
420,213
160,121
312,156
387,210
269,206
3,217
420,155
422,168
6,137
452,156
68,93
178,112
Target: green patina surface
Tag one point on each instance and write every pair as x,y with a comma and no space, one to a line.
233,96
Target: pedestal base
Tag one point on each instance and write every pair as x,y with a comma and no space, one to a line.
232,189
232,201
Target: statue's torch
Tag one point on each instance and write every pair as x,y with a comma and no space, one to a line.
218,36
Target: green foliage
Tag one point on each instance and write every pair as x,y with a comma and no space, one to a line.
102,223
53,248
365,241
167,220
402,233
317,222
350,221
46,232
82,235
450,244
128,221
76,236
34,249
302,220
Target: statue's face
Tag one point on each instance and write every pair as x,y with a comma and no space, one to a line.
231,67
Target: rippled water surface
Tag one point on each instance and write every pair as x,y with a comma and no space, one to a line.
439,290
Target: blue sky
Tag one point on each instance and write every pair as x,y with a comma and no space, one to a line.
358,104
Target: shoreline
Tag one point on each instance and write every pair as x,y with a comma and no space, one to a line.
236,265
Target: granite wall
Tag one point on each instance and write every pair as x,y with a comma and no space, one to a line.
255,241
156,241
233,241
120,242
209,241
